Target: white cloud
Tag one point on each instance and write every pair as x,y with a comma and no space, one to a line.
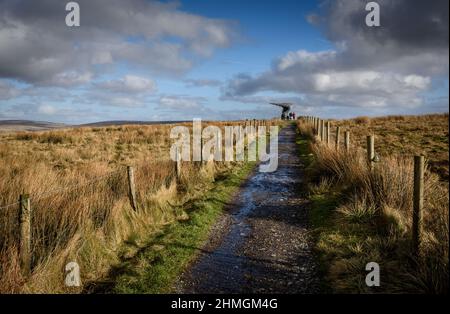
417,81
46,110
180,102
36,47
130,84
330,77
305,59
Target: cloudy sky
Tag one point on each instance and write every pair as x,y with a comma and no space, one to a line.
222,59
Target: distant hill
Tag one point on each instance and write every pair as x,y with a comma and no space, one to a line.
123,122
27,125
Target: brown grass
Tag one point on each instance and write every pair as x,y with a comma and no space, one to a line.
80,210
381,201
403,135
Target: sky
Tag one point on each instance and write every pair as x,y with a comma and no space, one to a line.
221,60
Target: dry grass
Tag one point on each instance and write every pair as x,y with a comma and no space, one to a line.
77,182
378,203
406,135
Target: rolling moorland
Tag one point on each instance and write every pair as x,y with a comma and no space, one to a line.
77,181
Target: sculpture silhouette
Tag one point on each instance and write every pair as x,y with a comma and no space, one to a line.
286,108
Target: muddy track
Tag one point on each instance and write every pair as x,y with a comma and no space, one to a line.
262,243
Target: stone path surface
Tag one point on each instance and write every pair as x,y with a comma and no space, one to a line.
262,243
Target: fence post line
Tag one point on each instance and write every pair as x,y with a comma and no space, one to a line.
131,187
338,135
419,166
328,133
347,140
370,150
25,233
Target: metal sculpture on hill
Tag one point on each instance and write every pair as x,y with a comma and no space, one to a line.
286,108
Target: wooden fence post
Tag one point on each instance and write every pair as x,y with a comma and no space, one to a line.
328,133
131,187
370,150
347,140
338,135
319,129
25,233
322,127
317,126
319,132
419,165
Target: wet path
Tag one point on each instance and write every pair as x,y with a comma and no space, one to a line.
262,244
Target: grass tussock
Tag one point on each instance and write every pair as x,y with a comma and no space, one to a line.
370,217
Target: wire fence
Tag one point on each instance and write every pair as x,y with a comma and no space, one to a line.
44,222
322,128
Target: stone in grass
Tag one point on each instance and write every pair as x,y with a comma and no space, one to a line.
183,216
158,247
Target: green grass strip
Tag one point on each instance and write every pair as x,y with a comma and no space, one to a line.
155,268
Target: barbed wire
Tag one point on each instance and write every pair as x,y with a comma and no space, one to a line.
9,205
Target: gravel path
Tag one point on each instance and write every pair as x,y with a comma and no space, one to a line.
261,244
